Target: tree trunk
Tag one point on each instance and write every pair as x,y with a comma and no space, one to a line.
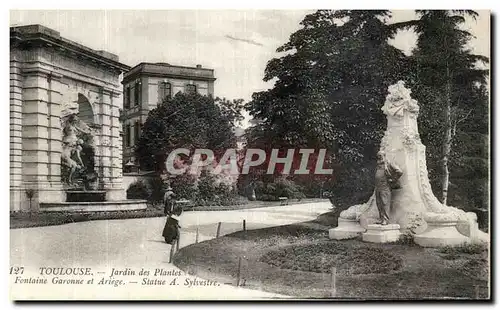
447,139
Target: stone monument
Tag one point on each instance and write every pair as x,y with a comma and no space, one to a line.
65,143
414,208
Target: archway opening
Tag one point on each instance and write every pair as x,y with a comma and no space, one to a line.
85,111
88,152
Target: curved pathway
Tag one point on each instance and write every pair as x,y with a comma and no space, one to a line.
134,244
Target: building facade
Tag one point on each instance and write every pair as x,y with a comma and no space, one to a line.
148,84
51,76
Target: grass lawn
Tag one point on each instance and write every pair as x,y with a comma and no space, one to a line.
296,260
37,219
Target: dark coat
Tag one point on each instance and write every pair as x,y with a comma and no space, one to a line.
168,202
171,230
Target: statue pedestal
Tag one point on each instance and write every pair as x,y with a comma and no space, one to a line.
377,233
414,208
441,231
346,229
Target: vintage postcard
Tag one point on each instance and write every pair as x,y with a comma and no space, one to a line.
250,155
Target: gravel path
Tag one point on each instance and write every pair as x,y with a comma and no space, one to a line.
134,244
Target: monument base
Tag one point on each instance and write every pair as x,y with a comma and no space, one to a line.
346,229
441,237
116,194
441,231
377,233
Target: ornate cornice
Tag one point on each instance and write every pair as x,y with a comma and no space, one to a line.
24,37
168,71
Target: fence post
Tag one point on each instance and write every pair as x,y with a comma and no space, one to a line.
197,235
177,242
218,230
172,251
238,276
333,284
244,225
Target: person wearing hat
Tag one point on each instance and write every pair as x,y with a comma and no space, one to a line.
171,228
168,201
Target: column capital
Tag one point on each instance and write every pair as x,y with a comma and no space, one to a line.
110,91
41,72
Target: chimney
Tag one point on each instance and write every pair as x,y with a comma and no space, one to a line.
198,66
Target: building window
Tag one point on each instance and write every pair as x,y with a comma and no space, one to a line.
164,91
190,89
137,93
137,132
127,135
126,98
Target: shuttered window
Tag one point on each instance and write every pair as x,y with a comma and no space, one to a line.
127,135
137,93
164,91
136,132
126,98
190,89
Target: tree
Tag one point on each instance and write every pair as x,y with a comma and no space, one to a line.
330,86
187,121
445,79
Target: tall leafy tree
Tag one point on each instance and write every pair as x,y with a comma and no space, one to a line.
445,81
330,85
469,156
187,121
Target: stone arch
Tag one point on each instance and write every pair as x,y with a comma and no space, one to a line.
85,110
86,115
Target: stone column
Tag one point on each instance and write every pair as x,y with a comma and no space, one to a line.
55,130
16,117
117,192
110,146
104,113
41,135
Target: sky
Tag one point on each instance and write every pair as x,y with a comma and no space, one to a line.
237,44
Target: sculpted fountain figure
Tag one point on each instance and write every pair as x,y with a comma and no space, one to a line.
413,206
72,145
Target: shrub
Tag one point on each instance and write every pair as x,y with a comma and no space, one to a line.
288,188
279,188
266,197
406,239
211,191
466,248
156,189
206,187
138,190
353,186
184,186
322,256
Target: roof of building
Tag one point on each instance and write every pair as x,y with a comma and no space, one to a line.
162,69
24,36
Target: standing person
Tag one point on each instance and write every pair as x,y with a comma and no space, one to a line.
168,201
386,179
171,230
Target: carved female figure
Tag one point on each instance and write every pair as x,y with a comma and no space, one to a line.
72,145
